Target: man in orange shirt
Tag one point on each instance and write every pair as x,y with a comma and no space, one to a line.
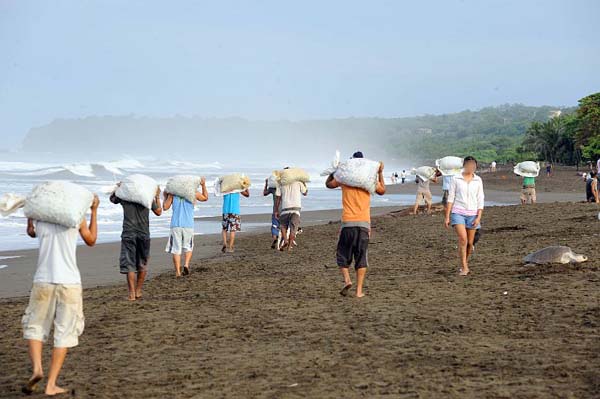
354,237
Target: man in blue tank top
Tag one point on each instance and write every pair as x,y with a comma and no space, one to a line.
231,218
182,228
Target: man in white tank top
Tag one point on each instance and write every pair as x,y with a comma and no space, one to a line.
56,296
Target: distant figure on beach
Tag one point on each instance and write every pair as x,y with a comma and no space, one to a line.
423,194
493,167
354,236
56,296
591,188
289,203
393,178
403,176
549,169
135,241
445,187
232,221
181,237
464,210
598,166
528,194
274,214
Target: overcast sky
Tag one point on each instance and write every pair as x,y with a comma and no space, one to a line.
289,60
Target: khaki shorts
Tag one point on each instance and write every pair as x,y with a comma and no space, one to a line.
528,194
425,196
60,305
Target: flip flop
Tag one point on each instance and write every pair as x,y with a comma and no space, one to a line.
224,249
31,386
186,270
344,291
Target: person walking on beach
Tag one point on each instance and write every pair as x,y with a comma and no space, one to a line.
493,167
464,209
56,296
403,176
549,169
289,201
181,237
445,187
591,188
135,242
274,214
423,193
528,194
231,219
353,242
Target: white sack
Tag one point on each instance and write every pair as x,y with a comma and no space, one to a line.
292,175
137,188
527,169
450,166
358,172
273,180
58,202
10,203
184,186
424,172
233,183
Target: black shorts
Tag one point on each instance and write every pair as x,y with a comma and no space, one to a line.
444,197
135,252
290,221
353,245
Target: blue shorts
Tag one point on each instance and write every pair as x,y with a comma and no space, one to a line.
274,225
456,218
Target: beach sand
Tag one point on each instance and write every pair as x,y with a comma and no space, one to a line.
260,323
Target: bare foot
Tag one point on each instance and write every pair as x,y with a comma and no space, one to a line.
344,291
463,272
230,251
131,297
32,384
53,391
360,294
138,295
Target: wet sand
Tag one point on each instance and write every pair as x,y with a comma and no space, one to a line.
265,324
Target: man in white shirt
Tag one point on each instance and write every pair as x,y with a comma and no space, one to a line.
56,296
288,206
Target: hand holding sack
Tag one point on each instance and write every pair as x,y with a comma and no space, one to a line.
139,189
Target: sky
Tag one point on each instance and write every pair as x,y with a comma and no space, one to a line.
289,59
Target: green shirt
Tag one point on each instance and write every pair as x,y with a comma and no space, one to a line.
529,181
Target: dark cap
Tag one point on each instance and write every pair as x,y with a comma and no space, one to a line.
358,154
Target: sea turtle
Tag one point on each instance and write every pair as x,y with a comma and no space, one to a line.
554,254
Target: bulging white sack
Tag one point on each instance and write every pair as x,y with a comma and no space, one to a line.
233,183
449,166
139,189
58,202
424,172
184,186
292,175
273,180
358,172
527,169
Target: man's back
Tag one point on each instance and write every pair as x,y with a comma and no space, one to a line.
183,213
291,196
231,204
57,261
356,205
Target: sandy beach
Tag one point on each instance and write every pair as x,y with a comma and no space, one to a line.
265,324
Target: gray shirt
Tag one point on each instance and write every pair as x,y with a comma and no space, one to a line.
136,217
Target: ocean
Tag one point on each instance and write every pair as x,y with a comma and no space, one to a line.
100,177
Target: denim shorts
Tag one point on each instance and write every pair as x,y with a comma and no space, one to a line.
456,218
